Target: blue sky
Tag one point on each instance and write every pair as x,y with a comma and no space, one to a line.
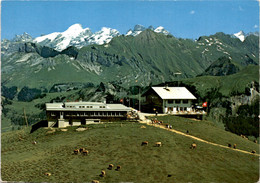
185,19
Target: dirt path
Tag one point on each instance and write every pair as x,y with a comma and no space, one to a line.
148,122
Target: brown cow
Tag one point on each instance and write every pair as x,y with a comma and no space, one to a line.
103,173
76,151
47,174
255,141
158,144
110,166
118,167
144,143
85,152
234,146
193,146
81,149
95,181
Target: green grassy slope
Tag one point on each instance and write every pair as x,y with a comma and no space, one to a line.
121,145
225,84
209,131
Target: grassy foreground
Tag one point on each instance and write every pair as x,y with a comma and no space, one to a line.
121,145
207,130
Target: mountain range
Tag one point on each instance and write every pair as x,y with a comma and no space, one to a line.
142,56
76,36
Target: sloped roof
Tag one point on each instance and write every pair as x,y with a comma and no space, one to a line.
174,93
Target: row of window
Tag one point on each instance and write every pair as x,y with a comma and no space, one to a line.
178,101
93,114
83,106
90,113
177,109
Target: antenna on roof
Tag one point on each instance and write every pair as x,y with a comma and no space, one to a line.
166,87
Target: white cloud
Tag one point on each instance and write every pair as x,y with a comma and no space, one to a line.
192,12
255,26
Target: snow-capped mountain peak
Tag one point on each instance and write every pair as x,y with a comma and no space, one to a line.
140,28
240,35
74,27
161,29
24,37
77,36
103,36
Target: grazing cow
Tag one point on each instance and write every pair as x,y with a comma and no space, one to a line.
158,144
145,143
118,167
85,152
103,173
76,151
110,166
187,131
234,146
255,141
95,181
193,146
34,142
229,145
47,174
81,149
243,136
253,151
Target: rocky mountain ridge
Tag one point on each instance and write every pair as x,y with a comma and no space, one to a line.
147,58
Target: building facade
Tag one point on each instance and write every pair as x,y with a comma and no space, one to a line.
80,113
170,99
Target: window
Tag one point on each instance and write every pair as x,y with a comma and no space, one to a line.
101,106
170,101
177,101
185,101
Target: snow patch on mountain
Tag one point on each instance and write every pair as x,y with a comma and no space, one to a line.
161,29
49,37
140,28
103,36
25,37
73,36
240,35
76,36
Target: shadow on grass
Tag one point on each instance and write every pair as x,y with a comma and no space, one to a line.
40,124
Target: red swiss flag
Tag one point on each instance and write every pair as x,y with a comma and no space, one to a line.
205,104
